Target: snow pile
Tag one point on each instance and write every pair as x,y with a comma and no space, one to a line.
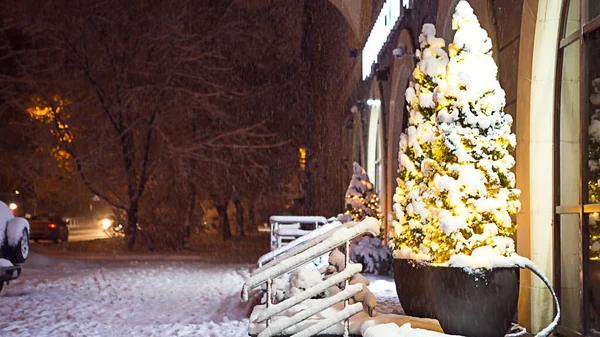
373,254
303,279
485,257
361,199
5,263
393,330
456,189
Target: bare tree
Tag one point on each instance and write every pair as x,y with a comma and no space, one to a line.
116,82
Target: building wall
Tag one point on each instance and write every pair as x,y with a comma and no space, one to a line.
513,26
326,44
525,36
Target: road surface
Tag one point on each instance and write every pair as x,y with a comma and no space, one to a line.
86,232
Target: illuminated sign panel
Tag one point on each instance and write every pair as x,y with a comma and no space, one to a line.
389,15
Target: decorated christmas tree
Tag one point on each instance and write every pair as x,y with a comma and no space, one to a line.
594,170
361,199
455,189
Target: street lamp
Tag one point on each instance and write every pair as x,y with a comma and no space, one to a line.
372,102
12,206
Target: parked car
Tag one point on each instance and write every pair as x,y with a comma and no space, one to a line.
48,227
14,244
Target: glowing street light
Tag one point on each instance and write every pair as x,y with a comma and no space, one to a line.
12,206
372,102
106,223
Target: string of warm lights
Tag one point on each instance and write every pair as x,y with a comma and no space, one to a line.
361,199
455,189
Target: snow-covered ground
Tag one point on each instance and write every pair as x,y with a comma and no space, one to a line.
59,298
69,298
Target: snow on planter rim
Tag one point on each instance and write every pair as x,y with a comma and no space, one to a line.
393,330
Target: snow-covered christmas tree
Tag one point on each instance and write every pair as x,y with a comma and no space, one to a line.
361,199
594,169
361,202
456,189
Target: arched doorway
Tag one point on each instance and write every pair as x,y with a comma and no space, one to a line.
396,121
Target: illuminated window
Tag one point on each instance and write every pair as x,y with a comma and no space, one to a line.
302,157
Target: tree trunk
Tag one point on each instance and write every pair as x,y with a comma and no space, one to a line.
187,232
224,219
132,220
239,217
251,216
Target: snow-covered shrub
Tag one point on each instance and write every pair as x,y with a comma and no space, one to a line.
456,189
361,199
373,254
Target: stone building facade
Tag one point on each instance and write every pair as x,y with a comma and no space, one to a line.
546,51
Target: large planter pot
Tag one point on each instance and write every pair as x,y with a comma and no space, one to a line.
476,303
594,282
412,286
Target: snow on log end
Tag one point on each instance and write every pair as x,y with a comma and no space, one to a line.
371,224
349,311
321,305
310,292
336,238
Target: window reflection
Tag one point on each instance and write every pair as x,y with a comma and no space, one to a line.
572,22
593,9
593,178
570,193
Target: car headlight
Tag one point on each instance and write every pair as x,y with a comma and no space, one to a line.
106,223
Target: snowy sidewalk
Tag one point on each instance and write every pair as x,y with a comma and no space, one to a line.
60,298
73,298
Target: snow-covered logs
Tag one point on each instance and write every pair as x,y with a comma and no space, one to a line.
337,265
